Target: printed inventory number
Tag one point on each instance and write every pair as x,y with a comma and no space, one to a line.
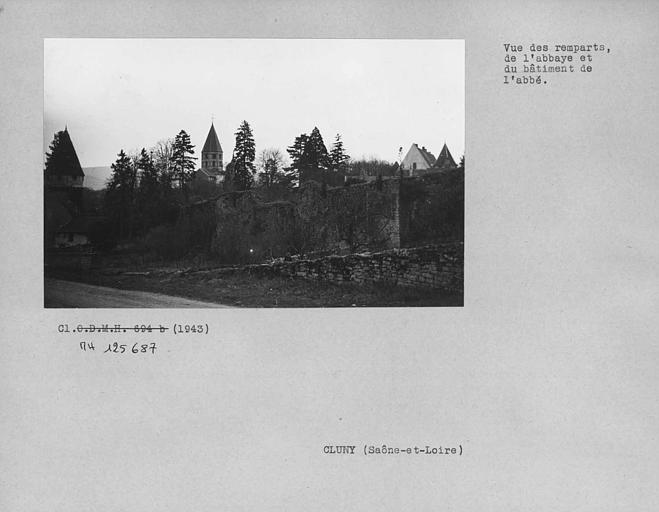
121,348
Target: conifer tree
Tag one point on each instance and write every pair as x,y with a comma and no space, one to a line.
296,153
315,152
229,176
148,192
119,197
243,158
297,149
309,157
338,157
183,165
148,173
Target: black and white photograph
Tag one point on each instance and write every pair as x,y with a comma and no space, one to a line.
253,172
350,255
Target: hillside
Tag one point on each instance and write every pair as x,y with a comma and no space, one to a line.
96,177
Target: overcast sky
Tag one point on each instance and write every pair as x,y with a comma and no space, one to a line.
378,94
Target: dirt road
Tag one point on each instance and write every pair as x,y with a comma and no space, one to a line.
67,294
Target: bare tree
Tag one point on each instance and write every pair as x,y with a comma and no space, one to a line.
271,165
162,154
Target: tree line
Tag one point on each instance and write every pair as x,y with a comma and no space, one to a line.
308,156
146,189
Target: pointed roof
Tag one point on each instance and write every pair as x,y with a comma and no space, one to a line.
427,155
63,161
212,144
444,159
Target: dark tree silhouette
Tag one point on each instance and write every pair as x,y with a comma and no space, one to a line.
120,195
296,152
309,157
243,158
183,165
338,157
315,152
148,194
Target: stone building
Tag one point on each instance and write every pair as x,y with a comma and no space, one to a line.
63,170
63,185
444,160
419,161
74,233
212,167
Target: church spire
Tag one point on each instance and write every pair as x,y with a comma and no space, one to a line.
445,159
212,144
211,154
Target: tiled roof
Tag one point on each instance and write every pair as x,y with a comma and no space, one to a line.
212,144
64,162
444,159
427,155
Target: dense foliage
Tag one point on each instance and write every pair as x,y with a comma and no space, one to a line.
152,197
338,158
182,161
244,153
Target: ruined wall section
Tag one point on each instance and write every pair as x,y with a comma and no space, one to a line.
432,208
317,219
250,229
350,219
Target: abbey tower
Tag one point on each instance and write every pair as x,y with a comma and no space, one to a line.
211,157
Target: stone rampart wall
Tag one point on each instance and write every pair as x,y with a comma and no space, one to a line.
435,266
